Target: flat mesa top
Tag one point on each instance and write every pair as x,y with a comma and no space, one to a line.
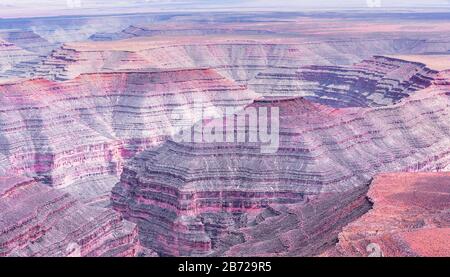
434,61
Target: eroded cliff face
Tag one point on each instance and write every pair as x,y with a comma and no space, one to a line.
304,229
113,116
379,81
94,124
72,132
11,56
239,58
37,220
171,191
410,217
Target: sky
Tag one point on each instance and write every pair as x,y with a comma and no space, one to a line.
26,8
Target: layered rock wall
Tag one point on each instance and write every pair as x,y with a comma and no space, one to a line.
110,117
379,81
37,220
322,150
410,217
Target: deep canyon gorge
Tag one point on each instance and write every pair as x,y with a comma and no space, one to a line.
90,164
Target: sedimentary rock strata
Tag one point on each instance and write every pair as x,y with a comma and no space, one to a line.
37,220
304,229
20,52
379,81
180,182
110,117
180,30
136,119
410,217
239,58
28,40
10,56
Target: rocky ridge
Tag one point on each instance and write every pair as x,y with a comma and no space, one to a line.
410,217
112,116
171,190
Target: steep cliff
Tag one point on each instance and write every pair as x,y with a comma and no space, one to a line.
68,132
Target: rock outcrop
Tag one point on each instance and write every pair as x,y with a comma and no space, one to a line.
94,117
170,190
133,31
410,217
20,52
28,40
37,220
111,117
238,58
11,56
293,230
379,81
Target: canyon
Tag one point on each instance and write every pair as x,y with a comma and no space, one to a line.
91,163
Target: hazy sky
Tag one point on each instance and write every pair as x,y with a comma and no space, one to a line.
19,8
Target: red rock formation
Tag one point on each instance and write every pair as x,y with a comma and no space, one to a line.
239,57
36,220
27,40
304,229
111,117
10,57
379,81
410,217
184,183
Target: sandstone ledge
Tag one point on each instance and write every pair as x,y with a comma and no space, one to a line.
410,217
